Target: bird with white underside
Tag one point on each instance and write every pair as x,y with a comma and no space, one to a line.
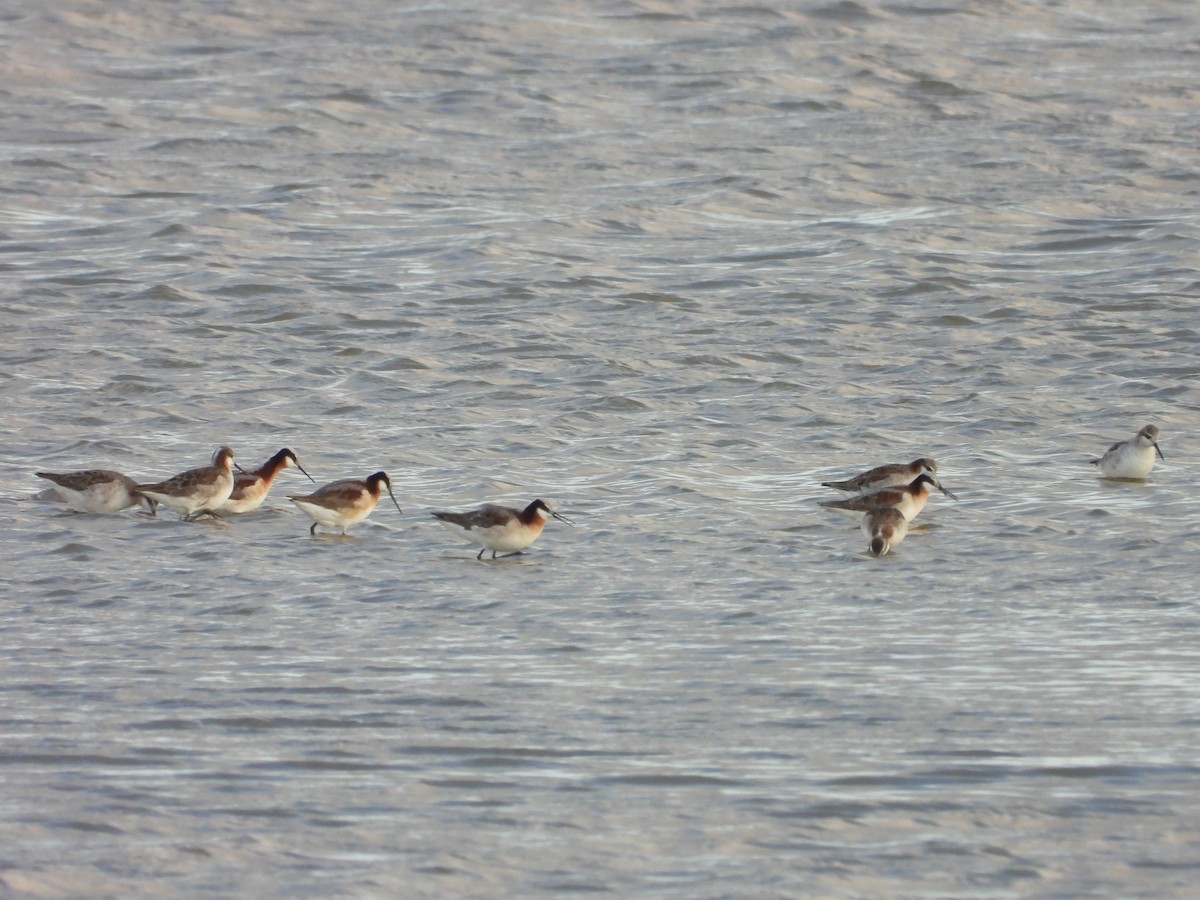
501,529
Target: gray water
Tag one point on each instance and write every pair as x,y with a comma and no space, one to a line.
667,265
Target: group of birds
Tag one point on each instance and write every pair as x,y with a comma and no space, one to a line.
217,490
890,496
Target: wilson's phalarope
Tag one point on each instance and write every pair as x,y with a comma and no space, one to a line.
196,491
908,498
250,488
501,528
885,527
1133,458
341,504
885,476
98,491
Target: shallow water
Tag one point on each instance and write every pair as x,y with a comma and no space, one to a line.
668,266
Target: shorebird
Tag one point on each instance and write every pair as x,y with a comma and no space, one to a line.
341,504
250,488
909,499
885,476
196,491
1133,458
500,528
885,527
97,491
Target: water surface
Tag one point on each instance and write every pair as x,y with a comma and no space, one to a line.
667,266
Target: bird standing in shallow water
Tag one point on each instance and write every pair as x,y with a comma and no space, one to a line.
885,476
341,504
250,488
885,527
196,491
500,528
1133,458
97,491
908,498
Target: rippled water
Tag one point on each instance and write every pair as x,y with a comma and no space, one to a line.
668,266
